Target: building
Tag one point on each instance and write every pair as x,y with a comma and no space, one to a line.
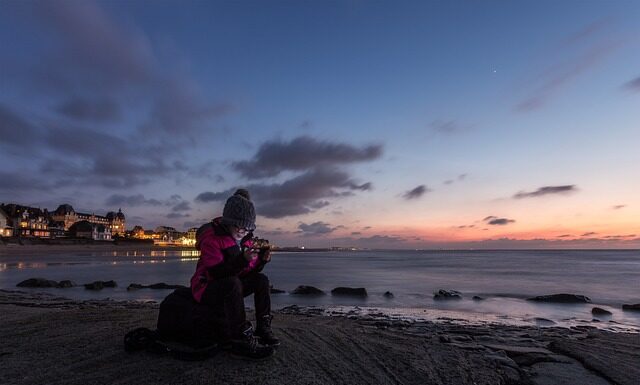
27,221
5,229
114,221
86,229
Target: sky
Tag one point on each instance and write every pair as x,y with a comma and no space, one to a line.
381,124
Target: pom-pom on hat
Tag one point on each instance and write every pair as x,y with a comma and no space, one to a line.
239,211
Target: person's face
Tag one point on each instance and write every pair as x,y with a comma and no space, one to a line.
238,232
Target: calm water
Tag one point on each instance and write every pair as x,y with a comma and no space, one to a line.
504,278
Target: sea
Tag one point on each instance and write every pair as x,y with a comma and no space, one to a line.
504,279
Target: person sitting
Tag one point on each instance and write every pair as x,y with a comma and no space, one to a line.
229,270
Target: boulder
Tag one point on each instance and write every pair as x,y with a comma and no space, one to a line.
561,298
307,290
447,295
162,285
135,286
600,311
350,291
99,285
477,298
387,294
634,307
37,282
65,284
157,286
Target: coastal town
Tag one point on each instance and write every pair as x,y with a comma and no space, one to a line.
25,224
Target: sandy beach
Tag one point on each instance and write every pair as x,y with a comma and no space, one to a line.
52,340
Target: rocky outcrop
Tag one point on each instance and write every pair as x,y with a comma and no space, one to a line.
99,285
387,294
477,298
349,291
37,282
307,290
447,295
276,291
156,286
600,311
561,298
634,307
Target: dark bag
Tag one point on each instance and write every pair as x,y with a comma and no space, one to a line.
186,330
183,319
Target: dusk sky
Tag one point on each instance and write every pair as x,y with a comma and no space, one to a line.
394,124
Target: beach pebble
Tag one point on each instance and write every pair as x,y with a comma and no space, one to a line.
447,294
561,298
307,290
350,291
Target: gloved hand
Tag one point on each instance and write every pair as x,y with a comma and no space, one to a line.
265,255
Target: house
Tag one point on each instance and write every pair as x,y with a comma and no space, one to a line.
88,230
27,221
5,229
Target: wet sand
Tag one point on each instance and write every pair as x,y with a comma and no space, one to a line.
52,340
13,249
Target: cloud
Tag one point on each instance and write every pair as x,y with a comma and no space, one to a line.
302,153
574,59
564,236
618,207
17,182
588,234
416,192
95,110
495,221
302,194
316,228
633,85
177,215
546,190
447,127
131,200
14,130
182,206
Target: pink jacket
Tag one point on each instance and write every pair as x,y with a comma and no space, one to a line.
220,257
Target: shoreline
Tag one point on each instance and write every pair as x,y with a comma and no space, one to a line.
78,342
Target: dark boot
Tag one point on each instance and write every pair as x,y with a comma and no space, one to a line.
265,333
247,346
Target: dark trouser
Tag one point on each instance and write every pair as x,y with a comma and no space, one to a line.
228,294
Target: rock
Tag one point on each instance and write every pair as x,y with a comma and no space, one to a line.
307,290
350,291
477,298
276,291
600,311
156,286
162,285
97,285
135,286
447,294
388,294
634,307
561,298
37,282
65,284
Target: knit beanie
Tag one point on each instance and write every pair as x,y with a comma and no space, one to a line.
239,211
